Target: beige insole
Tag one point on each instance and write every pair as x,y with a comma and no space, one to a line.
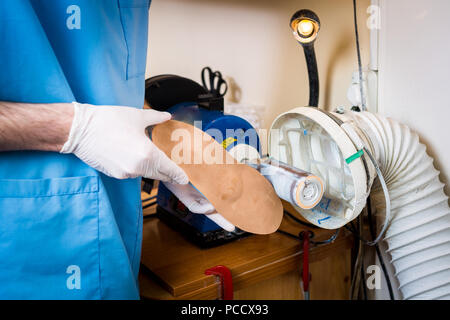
238,192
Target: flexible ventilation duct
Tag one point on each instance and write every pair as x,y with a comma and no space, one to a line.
418,236
328,145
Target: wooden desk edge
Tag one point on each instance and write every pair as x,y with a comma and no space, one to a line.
207,287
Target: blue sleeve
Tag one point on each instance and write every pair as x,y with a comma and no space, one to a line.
30,71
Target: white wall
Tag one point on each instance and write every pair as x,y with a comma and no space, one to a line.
251,42
414,68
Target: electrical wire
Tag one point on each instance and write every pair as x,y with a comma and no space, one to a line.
359,262
330,240
364,150
290,235
306,224
149,205
354,290
358,51
300,237
362,269
387,219
309,225
375,238
363,279
357,236
148,199
377,249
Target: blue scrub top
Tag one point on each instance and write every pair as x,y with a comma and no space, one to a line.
66,230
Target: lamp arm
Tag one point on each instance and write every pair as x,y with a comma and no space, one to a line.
313,74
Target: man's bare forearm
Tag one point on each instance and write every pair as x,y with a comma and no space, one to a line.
26,126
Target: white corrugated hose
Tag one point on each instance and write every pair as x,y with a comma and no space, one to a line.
418,236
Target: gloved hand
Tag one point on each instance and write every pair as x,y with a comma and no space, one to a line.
191,198
197,203
112,140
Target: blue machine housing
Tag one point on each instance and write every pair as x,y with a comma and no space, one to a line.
210,119
232,128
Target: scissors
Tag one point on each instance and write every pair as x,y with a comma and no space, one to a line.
217,86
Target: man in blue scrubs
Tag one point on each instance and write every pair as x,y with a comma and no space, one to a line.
73,146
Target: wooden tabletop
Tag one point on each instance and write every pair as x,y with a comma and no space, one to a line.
178,266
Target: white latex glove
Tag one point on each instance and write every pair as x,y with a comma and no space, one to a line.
197,203
112,140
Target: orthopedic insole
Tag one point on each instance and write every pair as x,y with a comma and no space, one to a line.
238,192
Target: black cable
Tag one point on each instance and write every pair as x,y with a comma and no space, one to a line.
300,237
352,225
362,277
358,51
349,228
290,215
306,224
290,235
377,249
330,240
148,199
357,236
358,264
149,205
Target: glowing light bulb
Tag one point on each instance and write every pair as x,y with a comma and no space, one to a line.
305,28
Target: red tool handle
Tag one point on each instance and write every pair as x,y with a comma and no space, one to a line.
306,275
226,280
